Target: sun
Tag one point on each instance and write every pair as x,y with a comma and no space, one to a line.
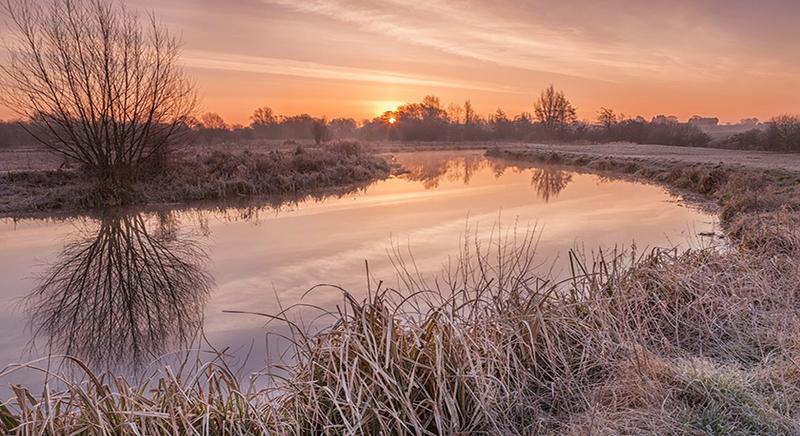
392,120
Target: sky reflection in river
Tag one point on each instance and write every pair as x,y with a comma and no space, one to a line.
262,259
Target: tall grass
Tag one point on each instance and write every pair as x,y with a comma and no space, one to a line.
665,342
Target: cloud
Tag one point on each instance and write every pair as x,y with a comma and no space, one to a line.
615,42
290,67
477,35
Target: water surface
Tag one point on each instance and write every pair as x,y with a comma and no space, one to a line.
121,288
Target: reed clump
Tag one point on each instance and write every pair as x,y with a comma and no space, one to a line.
701,341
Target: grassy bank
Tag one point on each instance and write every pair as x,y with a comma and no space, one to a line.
208,175
664,342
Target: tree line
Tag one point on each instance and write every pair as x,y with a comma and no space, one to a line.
92,81
553,119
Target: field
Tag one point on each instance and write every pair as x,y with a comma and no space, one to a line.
757,159
22,159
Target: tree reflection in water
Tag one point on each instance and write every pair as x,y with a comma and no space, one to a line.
117,296
431,168
549,182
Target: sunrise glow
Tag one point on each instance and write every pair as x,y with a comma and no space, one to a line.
355,58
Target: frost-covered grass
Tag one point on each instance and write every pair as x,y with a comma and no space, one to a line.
206,175
696,342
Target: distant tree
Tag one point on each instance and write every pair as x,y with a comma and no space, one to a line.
665,119
95,85
697,120
749,121
553,110
210,128
264,123
752,139
501,126
262,117
455,113
14,134
342,128
607,117
213,121
297,126
783,133
469,113
432,108
425,121
319,129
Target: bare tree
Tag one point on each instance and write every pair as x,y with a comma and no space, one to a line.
97,85
469,113
553,110
783,133
263,117
607,117
212,120
455,113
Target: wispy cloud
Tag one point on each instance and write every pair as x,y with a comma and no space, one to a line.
290,67
453,29
475,30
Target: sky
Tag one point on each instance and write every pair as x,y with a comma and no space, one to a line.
357,58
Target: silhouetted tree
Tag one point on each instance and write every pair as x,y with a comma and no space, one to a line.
95,85
783,133
665,119
607,118
297,126
210,127
455,113
697,120
502,127
341,128
263,116
14,134
553,110
469,113
264,123
425,121
319,129
212,121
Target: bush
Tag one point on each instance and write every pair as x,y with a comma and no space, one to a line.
347,148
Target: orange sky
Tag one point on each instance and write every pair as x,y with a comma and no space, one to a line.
358,58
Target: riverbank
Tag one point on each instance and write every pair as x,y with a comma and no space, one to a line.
664,342
690,155
208,175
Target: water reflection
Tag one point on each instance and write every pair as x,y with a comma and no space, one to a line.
549,182
131,287
431,168
121,292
